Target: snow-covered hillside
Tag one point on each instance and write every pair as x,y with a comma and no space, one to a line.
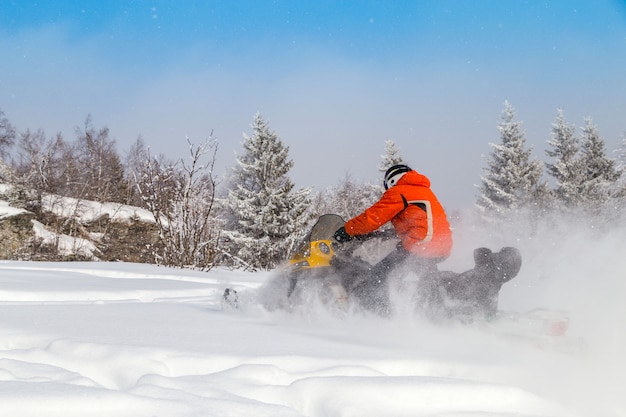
102,231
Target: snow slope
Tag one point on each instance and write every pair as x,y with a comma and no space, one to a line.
114,339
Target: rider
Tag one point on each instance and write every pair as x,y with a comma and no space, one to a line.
419,221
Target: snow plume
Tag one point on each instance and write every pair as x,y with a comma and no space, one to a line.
576,272
575,264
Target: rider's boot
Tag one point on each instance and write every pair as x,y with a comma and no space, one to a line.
507,263
501,266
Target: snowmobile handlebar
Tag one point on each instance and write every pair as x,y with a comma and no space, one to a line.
347,248
377,234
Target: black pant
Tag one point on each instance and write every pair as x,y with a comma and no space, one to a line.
373,291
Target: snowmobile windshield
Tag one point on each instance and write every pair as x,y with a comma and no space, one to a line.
325,227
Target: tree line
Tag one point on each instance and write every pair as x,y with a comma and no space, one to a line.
255,217
580,180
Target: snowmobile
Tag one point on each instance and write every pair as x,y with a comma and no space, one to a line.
335,270
442,294
329,272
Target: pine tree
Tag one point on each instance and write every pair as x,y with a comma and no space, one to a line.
599,174
391,156
267,217
512,179
565,169
620,186
621,154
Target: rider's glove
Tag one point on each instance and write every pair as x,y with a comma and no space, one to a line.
341,235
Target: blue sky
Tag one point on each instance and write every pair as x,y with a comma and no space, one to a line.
334,79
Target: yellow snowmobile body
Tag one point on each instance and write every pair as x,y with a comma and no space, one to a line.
317,249
318,253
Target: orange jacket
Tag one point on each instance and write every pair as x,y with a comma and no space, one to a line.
417,216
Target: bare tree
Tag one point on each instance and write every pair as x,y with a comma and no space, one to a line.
348,198
97,171
181,197
7,138
39,158
32,173
134,160
7,135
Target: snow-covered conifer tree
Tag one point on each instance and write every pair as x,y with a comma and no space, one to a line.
620,186
621,153
391,156
512,180
564,147
599,173
267,216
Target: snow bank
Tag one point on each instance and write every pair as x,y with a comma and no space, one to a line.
7,211
82,212
86,211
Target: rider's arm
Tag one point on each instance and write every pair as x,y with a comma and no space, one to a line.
385,209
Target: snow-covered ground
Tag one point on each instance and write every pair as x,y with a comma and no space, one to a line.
114,339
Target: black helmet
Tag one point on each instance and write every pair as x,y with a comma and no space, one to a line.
393,174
